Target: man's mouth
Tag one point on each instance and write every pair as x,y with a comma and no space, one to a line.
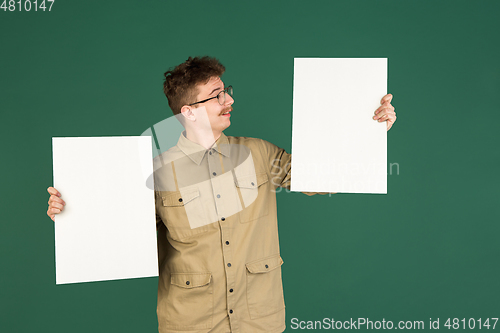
225,113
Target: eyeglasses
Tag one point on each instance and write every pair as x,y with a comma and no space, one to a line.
221,96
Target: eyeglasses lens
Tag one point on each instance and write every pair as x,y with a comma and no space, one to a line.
221,97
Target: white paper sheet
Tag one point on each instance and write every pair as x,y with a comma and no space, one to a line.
107,230
336,145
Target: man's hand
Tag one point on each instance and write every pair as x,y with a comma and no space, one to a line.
386,111
56,204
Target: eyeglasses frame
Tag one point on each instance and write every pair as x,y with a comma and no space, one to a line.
225,91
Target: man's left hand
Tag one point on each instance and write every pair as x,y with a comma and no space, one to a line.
386,111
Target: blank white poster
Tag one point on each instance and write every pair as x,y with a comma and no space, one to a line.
107,230
336,144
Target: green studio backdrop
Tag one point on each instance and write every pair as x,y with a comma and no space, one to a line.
428,249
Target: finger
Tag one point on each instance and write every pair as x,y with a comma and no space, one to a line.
379,114
52,216
385,106
386,98
53,198
53,211
391,121
388,105
53,191
383,117
57,205
391,115
382,112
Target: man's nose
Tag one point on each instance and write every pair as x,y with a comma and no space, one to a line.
229,99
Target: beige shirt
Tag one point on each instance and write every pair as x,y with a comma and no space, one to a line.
219,258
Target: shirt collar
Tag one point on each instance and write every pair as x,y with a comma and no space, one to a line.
196,152
222,145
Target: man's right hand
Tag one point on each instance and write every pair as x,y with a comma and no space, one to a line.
56,204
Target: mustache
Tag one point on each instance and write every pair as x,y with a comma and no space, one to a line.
226,110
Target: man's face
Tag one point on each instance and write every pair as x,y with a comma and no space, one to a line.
218,115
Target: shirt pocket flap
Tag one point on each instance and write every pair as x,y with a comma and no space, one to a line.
252,181
176,199
190,280
265,265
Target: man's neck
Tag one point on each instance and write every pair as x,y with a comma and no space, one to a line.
205,140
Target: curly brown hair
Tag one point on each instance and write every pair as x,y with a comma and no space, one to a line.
180,82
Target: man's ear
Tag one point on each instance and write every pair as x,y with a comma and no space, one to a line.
187,112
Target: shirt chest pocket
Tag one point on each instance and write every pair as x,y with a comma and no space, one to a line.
183,213
254,196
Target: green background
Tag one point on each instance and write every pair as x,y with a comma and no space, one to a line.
428,249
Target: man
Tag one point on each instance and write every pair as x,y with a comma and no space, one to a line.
220,266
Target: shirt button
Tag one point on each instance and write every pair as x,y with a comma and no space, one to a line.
210,152
227,242
214,174
223,218
180,199
267,266
228,264
231,290
230,311
187,282
218,195
253,184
